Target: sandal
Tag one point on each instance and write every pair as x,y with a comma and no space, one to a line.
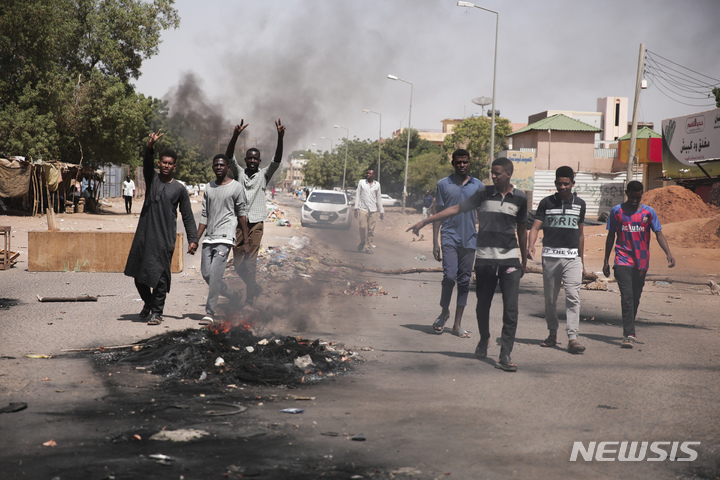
439,324
145,312
461,333
505,365
550,341
155,319
575,347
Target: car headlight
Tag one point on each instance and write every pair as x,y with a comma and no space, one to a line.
343,211
307,209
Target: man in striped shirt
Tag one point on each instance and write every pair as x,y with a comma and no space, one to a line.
561,217
631,222
501,256
254,179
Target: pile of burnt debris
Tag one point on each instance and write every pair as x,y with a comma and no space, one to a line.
230,355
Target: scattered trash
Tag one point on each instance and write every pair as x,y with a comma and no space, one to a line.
292,410
14,407
219,362
599,284
714,288
421,257
662,283
410,471
203,376
39,356
283,223
330,434
364,289
298,242
360,437
161,459
50,443
608,407
303,398
235,409
304,361
182,435
250,349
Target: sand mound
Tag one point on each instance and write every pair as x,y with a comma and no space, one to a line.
696,233
678,204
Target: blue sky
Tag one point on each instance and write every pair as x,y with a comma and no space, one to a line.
317,63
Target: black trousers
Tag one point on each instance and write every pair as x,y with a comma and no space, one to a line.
154,298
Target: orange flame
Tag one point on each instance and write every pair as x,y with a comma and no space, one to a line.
232,322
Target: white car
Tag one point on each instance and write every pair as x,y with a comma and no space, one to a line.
326,208
388,201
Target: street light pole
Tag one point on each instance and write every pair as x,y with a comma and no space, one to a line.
379,138
347,140
492,126
331,143
407,151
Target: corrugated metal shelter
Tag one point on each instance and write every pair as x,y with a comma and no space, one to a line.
601,191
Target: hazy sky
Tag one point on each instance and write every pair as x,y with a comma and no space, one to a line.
317,63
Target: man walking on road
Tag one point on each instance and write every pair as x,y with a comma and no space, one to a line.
561,217
368,201
255,180
224,209
458,237
152,248
500,255
128,192
631,222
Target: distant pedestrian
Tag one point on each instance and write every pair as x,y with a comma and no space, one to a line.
561,217
458,237
428,201
224,209
255,180
368,204
631,223
152,248
501,257
128,192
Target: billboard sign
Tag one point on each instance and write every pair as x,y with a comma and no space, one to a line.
691,139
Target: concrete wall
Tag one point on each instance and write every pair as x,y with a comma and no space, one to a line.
56,251
575,149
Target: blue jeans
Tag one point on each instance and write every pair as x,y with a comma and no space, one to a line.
488,276
630,281
212,268
457,268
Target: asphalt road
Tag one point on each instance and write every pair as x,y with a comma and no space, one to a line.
425,406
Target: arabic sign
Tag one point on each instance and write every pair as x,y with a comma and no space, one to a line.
691,139
523,177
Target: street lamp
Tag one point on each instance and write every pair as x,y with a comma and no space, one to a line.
347,140
492,126
331,143
407,151
379,138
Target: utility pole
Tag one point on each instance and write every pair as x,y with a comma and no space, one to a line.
632,157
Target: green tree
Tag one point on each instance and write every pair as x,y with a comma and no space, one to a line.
66,67
716,93
426,169
473,134
393,162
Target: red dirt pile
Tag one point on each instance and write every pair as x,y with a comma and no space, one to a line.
678,204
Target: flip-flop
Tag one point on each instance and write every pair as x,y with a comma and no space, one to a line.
461,333
439,324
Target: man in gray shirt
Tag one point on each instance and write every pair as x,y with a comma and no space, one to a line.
254,179
224,208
